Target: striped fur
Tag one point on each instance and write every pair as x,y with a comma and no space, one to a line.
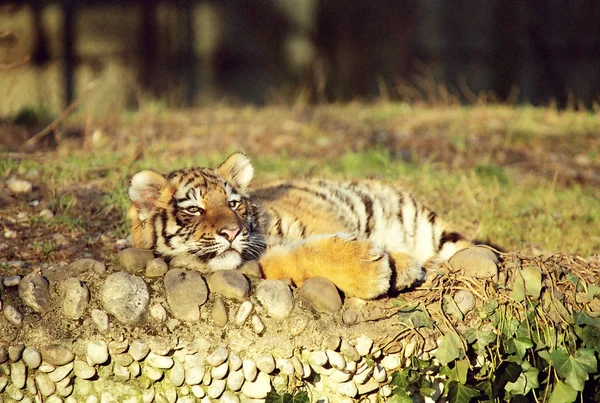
366,236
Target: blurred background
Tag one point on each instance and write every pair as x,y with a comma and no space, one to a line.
194,53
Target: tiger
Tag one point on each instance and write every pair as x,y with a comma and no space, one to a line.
368,237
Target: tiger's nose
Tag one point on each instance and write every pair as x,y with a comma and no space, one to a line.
229,233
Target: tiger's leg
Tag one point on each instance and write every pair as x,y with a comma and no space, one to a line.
407,271
357,267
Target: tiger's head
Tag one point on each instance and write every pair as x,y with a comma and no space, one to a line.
198,217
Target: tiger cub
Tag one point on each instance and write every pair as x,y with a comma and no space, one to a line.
367,237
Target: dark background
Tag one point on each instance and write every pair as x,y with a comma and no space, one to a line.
528,51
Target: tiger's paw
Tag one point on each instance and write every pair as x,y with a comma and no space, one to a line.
407,271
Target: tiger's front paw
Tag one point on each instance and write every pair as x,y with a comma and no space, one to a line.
408,271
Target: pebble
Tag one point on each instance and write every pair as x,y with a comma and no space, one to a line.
277,298
61,372
259,388
257,324
15,352
35,292
117,347
235,362
97,352
216,388
9,233
363,345
379,373
83,370
198,391
266,363
82,266
243,312
100,319
56,354
19,186
46,367
336,359
318,358
12,314
186,291
158,313
251,269
194,375
219,372
134,260
229,397
297,366
46,214
139,349
340,376
75,297
367,387
465,301
219,312
135,369
121,372
148,395
218,357
3,354
154,374
159,361
18,374
321,294
476,261
177,373
156,268
349,351
285,366
363,374
12,281
125,297
235,380
332,342
45,386
347,388
391,362
3,383
230,284
349,317
249,369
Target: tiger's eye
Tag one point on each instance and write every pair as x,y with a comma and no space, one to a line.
194,209
234,204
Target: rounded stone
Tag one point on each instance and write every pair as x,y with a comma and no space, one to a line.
220,371
177,374
219,312
117,347
336,359
243,312
257,324
198,391
44,384
186,291
97,352
159,361
230,284
75,297
61,372
34,290
158,313
266,363
476,261
332,342
251,269
124,359
321,294
276,297
235,380
82,266
194,375
363,345
379,373
152,373
12,281
465,301
32,357
18,374
125,297
318,358
12,314
15,352
156,268
259,388
139,349
56,354
249,369
3,355
134,260
100,319
83,370
216,388
349,317
229,397
235,362
349,351
218,357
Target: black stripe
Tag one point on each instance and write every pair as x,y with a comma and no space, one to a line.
449,237
414,202
368,204
400,205
431,217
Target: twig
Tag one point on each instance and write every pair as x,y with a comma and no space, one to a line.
52,126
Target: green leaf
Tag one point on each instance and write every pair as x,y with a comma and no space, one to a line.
525,382
574,369
458,393
506,372
449,349
483,338
300,396
583,318
593,290
555,309
562,394
414,314
450,307
519,346
460,371
528,282
591,337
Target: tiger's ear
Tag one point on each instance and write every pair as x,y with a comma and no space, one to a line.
237,169
145,189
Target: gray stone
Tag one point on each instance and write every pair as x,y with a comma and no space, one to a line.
465,301
177,374
216,388
235,380
61,372
349,317
32,358
12,281
276,297
194,375
186,291
15,352
249,369
125,297
251,269
46,214
159,361
230,284
349,351
82,266
75,297
476,261
219,312
259,388
158,313
56,354
12,314
19,186
3,355
124,359
35,292
18,374
156,268
117,347
83,370
321,294
243,312
134,260
266,363
100,319
96,352
257,324
139,349
45,385
217,357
